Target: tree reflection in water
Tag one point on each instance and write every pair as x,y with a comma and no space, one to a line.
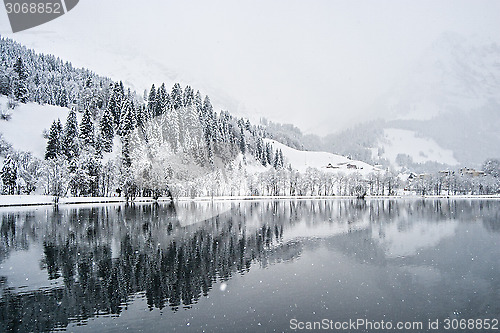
101,257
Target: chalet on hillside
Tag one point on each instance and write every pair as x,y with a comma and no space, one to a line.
330,166
414,176
471,172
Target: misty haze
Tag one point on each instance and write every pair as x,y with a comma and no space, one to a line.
252,166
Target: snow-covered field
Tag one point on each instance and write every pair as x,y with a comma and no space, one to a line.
301,160
25,128
421,150
33,200
25,200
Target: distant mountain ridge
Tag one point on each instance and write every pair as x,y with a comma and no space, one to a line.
453,74
451,97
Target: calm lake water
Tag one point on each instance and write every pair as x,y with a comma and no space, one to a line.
252,266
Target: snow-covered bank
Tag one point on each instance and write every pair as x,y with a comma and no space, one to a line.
37,200
323,197
25,200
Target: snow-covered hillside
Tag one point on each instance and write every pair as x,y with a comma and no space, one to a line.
453,74
301,160
421,150
445,109
28,121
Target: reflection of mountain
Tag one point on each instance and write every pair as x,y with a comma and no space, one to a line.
400,229
97,260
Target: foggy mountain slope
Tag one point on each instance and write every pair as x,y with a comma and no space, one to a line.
454,97
472,136
451,97
419,149
453,74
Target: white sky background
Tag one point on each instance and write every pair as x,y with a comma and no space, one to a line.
316,64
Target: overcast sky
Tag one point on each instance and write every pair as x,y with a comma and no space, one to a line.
316,64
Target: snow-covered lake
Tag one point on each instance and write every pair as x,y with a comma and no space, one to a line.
255,266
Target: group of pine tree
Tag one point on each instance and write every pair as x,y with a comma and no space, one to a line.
122,141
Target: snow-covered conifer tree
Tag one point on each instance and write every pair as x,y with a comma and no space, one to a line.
176,96
4,81
209,124
242,142
107,131
128,118
54,146
115,102
70,143
269,154
161,101
87,128
260,152
188,96
198,103
279,159
9,175
152,102
20,85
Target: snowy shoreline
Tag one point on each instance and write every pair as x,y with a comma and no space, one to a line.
39,200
